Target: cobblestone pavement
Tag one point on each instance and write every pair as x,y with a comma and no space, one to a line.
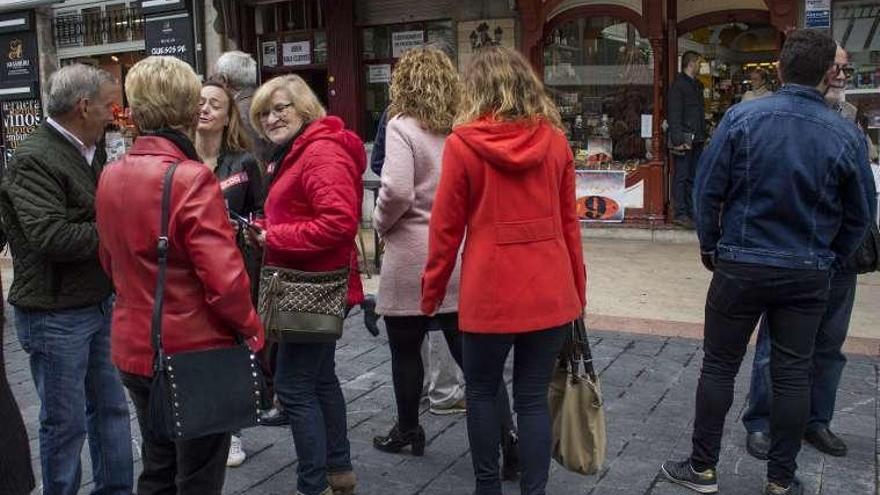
649,385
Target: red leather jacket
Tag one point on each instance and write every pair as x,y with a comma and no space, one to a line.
207,292
313,207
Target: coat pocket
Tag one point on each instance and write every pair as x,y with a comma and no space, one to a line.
524,231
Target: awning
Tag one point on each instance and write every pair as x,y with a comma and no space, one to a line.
13,5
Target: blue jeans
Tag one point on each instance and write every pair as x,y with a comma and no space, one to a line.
534,356
307,387
80,393
827,368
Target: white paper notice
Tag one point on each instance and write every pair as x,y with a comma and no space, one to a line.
380,73
406,40
297,53
647,125
270,53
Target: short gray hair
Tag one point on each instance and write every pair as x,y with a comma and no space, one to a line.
238,69
70,84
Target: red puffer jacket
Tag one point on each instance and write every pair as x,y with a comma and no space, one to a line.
511,186
313,207
207,292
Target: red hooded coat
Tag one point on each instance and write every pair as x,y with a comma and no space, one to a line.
313,207
511,187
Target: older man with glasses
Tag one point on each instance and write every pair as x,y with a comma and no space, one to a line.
828,358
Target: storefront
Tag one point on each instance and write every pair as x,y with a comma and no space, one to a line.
20,108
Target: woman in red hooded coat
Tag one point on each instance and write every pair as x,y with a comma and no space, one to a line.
508,182
312,209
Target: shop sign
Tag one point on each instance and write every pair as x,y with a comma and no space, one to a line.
379,74
170,35
601,195
473,35
269,50
297,53
817,14
406,40
20,119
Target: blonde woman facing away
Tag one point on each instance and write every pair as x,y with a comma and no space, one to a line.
508,183
425,92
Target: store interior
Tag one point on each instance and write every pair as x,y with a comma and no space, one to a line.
731,52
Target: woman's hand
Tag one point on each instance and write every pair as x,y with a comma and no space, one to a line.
256,237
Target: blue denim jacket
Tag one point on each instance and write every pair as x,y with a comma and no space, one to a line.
785,182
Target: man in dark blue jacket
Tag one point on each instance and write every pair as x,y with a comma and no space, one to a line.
781,193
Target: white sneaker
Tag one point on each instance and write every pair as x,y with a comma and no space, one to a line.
236,453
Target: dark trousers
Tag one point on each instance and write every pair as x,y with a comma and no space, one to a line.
534,356
309,390
793,302
405,336
189,467
683,181
828,362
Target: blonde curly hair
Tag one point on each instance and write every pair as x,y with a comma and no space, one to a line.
500,82
426,87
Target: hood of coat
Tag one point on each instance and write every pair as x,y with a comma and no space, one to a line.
330,129
510,146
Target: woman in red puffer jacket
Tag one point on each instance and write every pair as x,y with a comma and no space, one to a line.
312,209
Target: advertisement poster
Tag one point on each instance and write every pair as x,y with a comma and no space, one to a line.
473,35
296,53
817,14
170,35
600,195
379,74
20,119
406,40
270,53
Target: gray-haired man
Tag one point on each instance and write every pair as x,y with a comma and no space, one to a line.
238,71
60,294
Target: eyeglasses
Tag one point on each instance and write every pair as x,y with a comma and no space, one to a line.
847,69
279,111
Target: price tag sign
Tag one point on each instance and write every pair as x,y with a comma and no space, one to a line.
170,35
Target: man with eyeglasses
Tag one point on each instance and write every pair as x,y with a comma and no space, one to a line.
828,359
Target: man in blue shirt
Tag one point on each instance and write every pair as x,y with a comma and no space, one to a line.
781,194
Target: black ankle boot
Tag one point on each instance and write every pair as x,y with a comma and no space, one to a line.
396,440
510,456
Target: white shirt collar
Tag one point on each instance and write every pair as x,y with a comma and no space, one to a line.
88,152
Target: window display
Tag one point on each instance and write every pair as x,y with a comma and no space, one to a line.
854,25
600,72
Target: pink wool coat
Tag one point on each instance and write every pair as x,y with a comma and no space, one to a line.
403,211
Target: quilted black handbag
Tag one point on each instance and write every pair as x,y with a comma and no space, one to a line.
198,393
299,306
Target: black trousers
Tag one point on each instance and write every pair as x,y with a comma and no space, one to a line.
794,302
405,336
190,467
683,181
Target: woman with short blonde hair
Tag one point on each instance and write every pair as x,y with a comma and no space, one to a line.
312,214
508,182
425,92
207,301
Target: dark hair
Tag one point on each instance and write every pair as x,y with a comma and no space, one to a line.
806,56
687,58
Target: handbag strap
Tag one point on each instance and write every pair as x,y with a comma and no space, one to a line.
582,342
162,248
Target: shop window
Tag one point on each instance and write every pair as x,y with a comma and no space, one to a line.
600,72
381,47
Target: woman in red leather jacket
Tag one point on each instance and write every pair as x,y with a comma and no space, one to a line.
312,209
207,292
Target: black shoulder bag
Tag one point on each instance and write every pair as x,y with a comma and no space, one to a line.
198,393
867,257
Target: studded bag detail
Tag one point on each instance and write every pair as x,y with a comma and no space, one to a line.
299,306
198,393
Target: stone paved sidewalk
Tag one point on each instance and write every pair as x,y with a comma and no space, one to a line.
649,385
